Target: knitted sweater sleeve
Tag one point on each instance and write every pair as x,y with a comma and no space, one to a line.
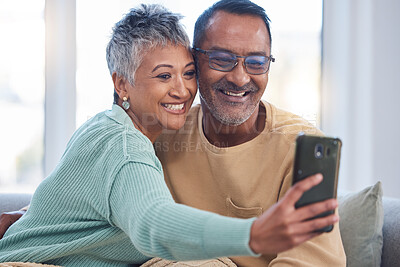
143,208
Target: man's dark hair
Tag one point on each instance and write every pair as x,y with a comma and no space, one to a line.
239,7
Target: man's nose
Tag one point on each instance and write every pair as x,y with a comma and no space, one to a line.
238,75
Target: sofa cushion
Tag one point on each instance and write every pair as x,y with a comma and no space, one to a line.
361,222
13,201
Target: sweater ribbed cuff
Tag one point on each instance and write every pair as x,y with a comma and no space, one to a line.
231,233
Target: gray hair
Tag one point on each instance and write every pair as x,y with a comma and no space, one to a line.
142,29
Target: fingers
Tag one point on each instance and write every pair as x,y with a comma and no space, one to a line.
310,226
276,235
297,190
312,210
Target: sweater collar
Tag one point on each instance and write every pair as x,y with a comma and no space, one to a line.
119,115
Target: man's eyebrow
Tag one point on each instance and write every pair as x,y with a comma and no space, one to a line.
220,49
252,53
162,65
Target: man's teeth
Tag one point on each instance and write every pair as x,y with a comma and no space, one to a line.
234,94
174,107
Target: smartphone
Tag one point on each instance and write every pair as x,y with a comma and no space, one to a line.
317,154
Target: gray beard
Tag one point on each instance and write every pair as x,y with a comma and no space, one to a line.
224,118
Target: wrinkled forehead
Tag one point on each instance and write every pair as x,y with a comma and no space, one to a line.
237,33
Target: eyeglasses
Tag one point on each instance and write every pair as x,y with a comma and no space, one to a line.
225,61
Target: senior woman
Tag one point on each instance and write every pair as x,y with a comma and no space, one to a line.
106,203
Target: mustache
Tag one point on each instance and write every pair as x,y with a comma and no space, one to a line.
224,85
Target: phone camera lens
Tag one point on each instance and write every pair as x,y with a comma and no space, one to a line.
318,151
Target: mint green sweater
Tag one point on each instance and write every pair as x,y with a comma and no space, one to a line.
106,204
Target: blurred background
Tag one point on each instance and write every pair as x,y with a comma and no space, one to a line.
336,65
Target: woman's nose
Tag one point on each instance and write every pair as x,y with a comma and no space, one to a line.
180,90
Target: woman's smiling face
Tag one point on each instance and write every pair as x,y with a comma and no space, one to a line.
164,90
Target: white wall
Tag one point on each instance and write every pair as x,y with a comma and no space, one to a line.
60,72
360,90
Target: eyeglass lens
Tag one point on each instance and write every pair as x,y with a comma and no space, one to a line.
225,61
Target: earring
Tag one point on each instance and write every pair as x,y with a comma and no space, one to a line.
125,104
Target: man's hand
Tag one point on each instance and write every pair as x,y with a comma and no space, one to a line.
7,219
283,227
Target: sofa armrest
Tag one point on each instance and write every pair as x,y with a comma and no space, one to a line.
391,232
13,201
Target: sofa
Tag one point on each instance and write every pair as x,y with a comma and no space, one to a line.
391,233
381,238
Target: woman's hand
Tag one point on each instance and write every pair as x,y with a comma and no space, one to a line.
283,226
7,219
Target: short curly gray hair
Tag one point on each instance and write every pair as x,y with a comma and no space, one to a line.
142,29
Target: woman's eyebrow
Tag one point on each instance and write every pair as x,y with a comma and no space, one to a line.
191,63
162,65
169,66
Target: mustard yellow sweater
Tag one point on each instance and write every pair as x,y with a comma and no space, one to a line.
243,181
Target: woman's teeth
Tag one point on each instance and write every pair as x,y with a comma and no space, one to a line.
174,107
234,94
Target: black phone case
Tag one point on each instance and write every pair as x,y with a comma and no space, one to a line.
317,154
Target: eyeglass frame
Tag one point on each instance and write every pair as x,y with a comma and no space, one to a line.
206,52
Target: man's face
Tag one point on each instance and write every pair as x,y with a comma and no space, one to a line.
233,96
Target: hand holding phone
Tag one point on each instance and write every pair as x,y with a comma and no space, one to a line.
317,154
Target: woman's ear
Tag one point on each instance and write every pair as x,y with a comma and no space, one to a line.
120,85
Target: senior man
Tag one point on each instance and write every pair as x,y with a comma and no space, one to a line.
235,153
